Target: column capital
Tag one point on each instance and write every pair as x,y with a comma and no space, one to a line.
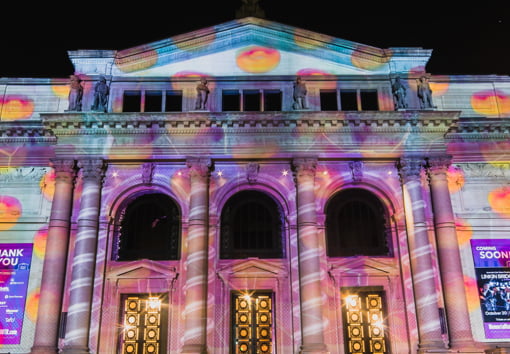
199,166
304,166
65,170
93,169
410,168
438,165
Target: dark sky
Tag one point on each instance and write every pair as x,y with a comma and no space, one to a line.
472,39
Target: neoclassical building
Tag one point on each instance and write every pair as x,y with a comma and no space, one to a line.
254,187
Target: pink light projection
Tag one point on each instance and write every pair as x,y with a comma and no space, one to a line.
13,107
40,242
487,102
10,211
257,59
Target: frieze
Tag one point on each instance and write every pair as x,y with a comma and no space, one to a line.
22,174
483,170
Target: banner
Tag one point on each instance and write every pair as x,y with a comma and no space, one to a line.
492,268
15,261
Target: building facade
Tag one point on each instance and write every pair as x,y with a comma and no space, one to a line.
254,187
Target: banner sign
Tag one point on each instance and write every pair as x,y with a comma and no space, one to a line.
492,268
15,261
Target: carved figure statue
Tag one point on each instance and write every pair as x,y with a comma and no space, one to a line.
101,93
202,94
399,94
424,93
299,94
75,94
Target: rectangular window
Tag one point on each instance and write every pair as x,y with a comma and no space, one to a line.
132,101
231,100
252,322
153,101
328,100
364,314
369,100
272,100
143,324
349,100
173,101
251,100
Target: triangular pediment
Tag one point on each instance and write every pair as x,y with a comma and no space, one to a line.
142,270
250,47
364,266
252,268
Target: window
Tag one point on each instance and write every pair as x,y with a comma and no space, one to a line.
251,226
252,322
328,100
350,100
252,100
143,324
149,227
132,101
356,224
364,314
152,101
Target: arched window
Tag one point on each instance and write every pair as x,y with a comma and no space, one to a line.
251,226
148,227
356,224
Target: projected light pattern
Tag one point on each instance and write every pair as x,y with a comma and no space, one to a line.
491,102
40,238
10,211
499,200
258,59
14,107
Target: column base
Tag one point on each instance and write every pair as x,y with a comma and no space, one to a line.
75,350
194,349
314,348
41,349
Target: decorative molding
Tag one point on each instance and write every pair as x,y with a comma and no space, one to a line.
252,171
356,170
483,170
147,172
22,174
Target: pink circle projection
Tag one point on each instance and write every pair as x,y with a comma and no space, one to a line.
16,107
499,200
490,102
10,211
257,59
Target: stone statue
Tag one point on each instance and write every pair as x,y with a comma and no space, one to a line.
202,94
299,94
101,93
75,94
250,8
424,93
399,94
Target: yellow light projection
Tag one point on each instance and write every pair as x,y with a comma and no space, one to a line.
150,59
358,59
257,59
499,200
16,107
490,102
10,211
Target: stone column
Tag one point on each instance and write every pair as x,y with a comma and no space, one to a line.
309,258
84,260
55,258
195,311
425,292
449,256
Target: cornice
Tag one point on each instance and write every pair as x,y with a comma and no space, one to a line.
25,131
476,129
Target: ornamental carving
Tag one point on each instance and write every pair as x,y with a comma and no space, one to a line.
22,174
198,166
252,172
494,170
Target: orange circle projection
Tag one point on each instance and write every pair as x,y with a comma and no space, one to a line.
258,59
487,102
499,200
10,211
16,107
40,242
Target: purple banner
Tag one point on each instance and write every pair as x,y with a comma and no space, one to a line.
15,261
492,268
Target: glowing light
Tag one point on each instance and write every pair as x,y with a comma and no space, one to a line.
40,242
219,173
324,173
285,173
487,102
16,107
10,211
257,59
115,174
154,303
499,200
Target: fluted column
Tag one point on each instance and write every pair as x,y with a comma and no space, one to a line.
420,249
449,255
195,311
55,258
309,258
84,260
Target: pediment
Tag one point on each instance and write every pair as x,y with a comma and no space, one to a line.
363,266
142,270
252,268
250,46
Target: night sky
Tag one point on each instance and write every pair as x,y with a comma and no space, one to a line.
472,39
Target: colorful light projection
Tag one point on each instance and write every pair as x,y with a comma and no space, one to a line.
491,102
14,107
10,211
499,200
150,58
33,304
40,238
359,60
257,59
